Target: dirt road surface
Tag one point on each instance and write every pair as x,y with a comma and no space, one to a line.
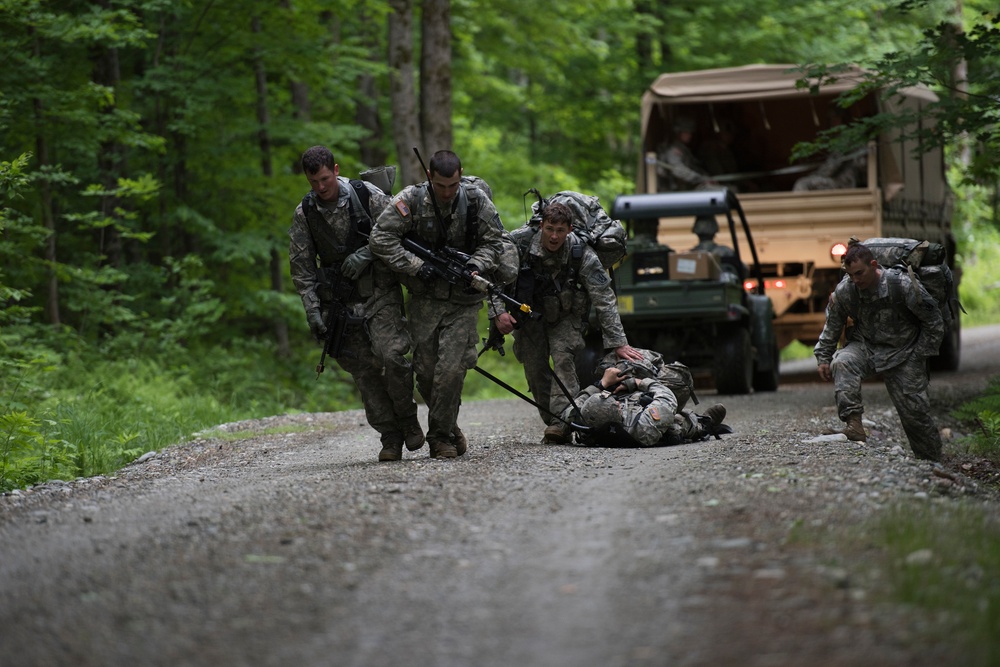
298,548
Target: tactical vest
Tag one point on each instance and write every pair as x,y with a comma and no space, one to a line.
471,235
359,211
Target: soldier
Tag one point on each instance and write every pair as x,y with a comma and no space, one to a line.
442,317
705,228
897,326
678,168
630,396
560,277
329,258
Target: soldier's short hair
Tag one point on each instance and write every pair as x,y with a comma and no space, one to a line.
445,163
557,214
316,158
857,252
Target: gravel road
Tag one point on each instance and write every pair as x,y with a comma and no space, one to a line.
293,546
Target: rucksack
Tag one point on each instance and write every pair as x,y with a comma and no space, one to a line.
590,222
924,260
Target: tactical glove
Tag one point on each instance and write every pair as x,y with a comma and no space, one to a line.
316,324
356,263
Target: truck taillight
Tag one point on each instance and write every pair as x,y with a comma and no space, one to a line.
777,283
837,251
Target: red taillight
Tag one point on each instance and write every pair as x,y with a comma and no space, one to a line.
749,285
778,284
837,250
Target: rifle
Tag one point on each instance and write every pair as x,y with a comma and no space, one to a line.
450,264
339,290
494,341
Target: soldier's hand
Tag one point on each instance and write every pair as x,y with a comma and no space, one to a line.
627,386
628,352
824,372
316,324
612,376
356,263
505,323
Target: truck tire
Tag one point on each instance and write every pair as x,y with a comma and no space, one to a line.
949,355
733,367
767,380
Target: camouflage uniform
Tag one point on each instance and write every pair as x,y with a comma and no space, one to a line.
443,318
897,326
649,412
381,343
562,289
681,170
838,172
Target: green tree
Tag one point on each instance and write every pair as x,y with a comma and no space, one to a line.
958,57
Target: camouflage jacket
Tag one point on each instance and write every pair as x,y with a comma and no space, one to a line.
681,168
412,212
895,319
651,397
315,250
566,287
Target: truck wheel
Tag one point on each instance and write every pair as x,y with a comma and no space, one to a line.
950,354
734,364
767,380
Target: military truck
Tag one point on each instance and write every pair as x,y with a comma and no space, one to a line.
691,306
802,212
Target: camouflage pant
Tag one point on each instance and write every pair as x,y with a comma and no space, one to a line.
380,371
444,349
907,387
534,343
390,345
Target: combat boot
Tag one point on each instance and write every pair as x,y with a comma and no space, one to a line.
716,413
460,441
556,434
392,447
442,449
413,436
855,430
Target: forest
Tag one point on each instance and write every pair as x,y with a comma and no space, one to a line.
149,170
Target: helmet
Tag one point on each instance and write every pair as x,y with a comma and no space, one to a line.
601,410
705,225
684,124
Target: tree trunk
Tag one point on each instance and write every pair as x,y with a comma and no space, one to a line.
111,162
366,113
403,92
435,75
960,81
48,217
267,169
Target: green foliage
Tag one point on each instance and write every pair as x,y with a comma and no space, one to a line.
966,112
982,417
940,558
